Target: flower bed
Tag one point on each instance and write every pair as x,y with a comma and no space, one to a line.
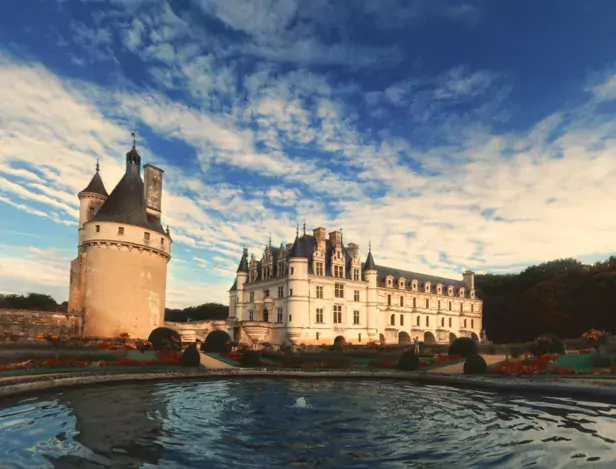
570,364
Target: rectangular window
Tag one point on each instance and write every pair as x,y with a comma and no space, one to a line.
252,297
465,324
439,305
401,301
320,271
279,316
427,321
402,320
388,300
419,320
319,315
338,271
265,294
461,307
427,304
356,277
251,315
472,324
472,308
356,295
318,335
337,314
339,290
355,317
290,292
358,337
98,228
146,236
280,292
450,306
442,322
290,317
120,230
414,302
449,322
162,242
392,320
319,291
291,270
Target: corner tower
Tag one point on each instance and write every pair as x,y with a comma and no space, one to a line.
298,289
370,275
125,255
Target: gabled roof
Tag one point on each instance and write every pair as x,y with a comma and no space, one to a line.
96,186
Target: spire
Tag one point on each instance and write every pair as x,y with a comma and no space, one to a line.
369,264
96,185
243,267
270,240
98,168
341,242
297,231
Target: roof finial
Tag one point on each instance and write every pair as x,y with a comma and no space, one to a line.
304,228
134,134
168,230
270,240
297,231
369,246
341,236
98,168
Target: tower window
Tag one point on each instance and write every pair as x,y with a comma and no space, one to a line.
120,230
162,242
98,228
146,236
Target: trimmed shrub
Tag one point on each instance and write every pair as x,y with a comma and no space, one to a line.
463,347
339,343
191,356
475,365
408,361
250,358
217,342
547,343
164,338
286,348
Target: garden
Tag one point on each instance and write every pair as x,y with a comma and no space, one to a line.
54,354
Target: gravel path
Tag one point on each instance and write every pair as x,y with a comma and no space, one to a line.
458,368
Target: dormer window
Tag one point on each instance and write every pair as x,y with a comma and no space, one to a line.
427,287
401,283
462,292
473,294
439,289
450,291
389,280
415,285
320,270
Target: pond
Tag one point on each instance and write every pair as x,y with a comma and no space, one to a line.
302,423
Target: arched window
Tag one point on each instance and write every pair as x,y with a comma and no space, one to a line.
392,320
419,320
401,301
465,323
442,322
388,300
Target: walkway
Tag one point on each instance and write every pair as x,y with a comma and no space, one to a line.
212,363
458,368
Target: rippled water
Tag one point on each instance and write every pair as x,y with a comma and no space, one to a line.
283,423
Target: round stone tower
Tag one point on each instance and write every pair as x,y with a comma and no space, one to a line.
124,252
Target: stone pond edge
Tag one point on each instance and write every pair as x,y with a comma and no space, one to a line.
544,386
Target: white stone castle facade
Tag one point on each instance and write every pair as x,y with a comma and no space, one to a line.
119,278
317,289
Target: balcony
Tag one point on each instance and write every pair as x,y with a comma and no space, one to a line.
256,330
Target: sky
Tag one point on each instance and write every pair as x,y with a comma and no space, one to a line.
451,135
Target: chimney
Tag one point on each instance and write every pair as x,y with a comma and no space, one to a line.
320,235
335,237
353,250
153,186
468,278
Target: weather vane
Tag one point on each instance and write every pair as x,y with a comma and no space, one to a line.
134,134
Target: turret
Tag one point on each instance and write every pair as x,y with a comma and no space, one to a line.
238,292
468,278
298,289
370,276
90,200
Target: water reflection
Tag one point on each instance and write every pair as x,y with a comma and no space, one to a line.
257,423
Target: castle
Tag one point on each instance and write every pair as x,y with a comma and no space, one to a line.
317,289
118,280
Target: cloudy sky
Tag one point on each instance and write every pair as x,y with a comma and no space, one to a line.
450,134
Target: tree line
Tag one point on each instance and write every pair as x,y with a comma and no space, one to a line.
564,297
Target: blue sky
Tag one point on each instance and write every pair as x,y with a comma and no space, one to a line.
450,134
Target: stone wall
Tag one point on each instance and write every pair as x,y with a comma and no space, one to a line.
196,329
30,323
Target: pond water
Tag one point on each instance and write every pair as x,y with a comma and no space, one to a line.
302,423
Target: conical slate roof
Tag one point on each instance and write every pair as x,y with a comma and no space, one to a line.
369,264
243,267
96,186
126,203
297,251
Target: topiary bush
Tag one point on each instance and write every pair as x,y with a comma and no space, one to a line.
217,342
547,343
250,358
408,361
475,365
339,343
191,356
165,338
463,347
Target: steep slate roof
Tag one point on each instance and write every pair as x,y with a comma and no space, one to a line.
126,203
243,267
298,250
384,272
369,264
96,186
